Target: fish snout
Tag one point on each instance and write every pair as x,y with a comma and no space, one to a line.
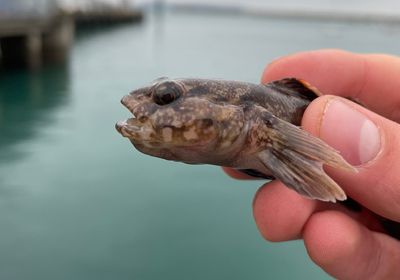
129,102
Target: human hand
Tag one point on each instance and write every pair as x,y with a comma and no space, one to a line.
346,244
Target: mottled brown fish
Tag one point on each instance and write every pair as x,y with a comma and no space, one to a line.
236,124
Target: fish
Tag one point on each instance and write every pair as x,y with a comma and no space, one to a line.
254,128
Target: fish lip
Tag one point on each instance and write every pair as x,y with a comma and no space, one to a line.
122,128
121,125
129,103
131,123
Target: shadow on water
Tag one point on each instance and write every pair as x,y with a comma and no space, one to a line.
27,100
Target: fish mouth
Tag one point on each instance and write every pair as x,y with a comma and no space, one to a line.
127,125
134,127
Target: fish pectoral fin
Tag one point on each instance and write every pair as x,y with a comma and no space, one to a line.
296,158
303,175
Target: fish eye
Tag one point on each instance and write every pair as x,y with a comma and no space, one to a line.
166,93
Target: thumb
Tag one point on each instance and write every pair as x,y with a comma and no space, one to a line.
366,140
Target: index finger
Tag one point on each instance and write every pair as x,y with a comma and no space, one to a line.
372,79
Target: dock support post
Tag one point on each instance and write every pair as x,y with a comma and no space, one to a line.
33,49
35,44
58,39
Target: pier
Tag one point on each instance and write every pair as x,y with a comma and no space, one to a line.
32,34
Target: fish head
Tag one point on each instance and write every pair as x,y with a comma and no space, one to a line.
172,122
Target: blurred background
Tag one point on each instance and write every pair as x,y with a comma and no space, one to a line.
76,200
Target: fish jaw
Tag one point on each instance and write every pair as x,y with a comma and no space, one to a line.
139,126
134,129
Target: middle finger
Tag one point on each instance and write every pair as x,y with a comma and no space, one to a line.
281,213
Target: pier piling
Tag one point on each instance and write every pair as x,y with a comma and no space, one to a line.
30,42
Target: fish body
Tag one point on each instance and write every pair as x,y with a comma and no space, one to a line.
253,127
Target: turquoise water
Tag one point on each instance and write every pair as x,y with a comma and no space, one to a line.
78,202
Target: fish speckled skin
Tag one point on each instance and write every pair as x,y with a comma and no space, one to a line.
235,124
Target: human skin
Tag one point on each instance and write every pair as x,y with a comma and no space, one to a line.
346,244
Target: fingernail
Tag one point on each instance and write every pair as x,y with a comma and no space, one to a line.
350,132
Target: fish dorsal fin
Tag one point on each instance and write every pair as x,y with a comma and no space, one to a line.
296,87
296,158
